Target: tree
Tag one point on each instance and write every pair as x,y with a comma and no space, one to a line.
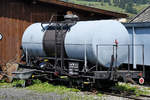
122,4
129,8
109,2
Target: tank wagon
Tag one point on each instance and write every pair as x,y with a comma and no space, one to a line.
81,53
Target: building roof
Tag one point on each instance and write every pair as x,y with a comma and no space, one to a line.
143,16
85,8
137,25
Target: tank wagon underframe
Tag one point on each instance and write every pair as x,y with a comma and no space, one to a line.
56,65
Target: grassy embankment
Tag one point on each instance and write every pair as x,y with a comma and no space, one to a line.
106,6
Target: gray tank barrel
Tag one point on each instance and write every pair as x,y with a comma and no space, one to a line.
41,42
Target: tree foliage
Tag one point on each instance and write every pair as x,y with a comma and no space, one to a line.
128,5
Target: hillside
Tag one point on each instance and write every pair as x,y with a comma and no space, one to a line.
131,7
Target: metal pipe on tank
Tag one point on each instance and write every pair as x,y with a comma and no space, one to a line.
27,56
128,57
133,48
143,61
85,57
97,56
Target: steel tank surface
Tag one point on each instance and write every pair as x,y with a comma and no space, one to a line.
32,40
83,35
39,40
93,33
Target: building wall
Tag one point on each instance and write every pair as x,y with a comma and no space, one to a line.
15,17
142,37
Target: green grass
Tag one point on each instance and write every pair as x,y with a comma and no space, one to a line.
123,87
46,87
73,93
106,6
40,87
3,84
98,5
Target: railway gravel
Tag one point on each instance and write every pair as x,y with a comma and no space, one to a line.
23,94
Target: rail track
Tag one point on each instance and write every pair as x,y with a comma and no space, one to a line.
128,95
147,96
134,97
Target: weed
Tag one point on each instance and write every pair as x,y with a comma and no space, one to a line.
124,87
